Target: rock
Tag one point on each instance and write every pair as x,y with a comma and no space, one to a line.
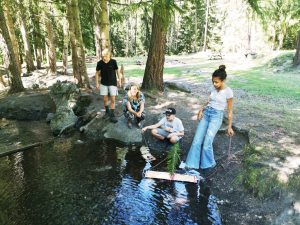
100,129
63,119
65,95
26,106
176,86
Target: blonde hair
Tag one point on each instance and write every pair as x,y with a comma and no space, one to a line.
130,97
106,51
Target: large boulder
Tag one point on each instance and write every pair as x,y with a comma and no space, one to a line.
27,106
100,128
65,95
63,119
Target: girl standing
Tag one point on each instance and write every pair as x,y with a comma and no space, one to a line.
211,116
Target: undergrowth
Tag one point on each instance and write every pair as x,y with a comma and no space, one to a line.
258,178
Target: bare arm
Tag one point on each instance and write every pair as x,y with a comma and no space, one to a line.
151,127
119,76
142,107
97,76
230,113
199,116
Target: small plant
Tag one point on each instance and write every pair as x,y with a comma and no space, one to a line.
257,177
173,158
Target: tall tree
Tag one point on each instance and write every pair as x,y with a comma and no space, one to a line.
104,25
78,54
296,61
14,70
10,26
66,45
24,31
50,39
38,38
206,26
162,14
97,30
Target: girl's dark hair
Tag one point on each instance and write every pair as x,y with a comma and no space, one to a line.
221,72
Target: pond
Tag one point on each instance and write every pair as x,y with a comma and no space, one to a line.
73,182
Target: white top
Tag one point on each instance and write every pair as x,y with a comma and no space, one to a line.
218,99
176,124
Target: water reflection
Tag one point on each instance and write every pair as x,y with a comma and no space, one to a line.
95,183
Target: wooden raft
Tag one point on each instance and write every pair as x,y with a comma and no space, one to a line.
168,176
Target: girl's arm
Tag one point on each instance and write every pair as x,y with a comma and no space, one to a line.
199,116
229,108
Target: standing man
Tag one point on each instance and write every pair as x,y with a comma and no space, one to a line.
169,127
107,70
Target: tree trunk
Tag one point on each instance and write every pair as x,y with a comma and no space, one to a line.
24,32
66,45
14,70
50,38
296,61
206,26
75,65
153,76
104,25
37,33
11,31
78,42
97,31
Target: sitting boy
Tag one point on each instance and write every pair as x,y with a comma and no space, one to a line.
169,127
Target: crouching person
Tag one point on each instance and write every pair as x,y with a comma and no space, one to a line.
169,127
134,105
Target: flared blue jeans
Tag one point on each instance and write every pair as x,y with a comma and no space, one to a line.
201,153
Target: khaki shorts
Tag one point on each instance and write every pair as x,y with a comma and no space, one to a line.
112,90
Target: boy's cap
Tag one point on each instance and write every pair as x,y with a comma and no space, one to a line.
170,111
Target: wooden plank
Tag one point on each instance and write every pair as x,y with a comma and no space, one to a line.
168,176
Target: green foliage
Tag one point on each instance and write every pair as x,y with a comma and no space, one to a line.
189,35
173,158
256,177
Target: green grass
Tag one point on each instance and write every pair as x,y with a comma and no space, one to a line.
263,82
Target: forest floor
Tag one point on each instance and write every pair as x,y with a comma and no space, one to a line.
260,185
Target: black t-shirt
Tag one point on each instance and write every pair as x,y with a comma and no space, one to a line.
108,72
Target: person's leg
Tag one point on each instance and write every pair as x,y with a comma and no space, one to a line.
104,93
113,91
158,133
174,139
193,157
207,156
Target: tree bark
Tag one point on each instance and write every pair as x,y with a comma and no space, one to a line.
11,31
14,70
50,39
38,38
153,76
104,25
206,26
75,65
66,45
296,61
74,15
24,31
97,31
